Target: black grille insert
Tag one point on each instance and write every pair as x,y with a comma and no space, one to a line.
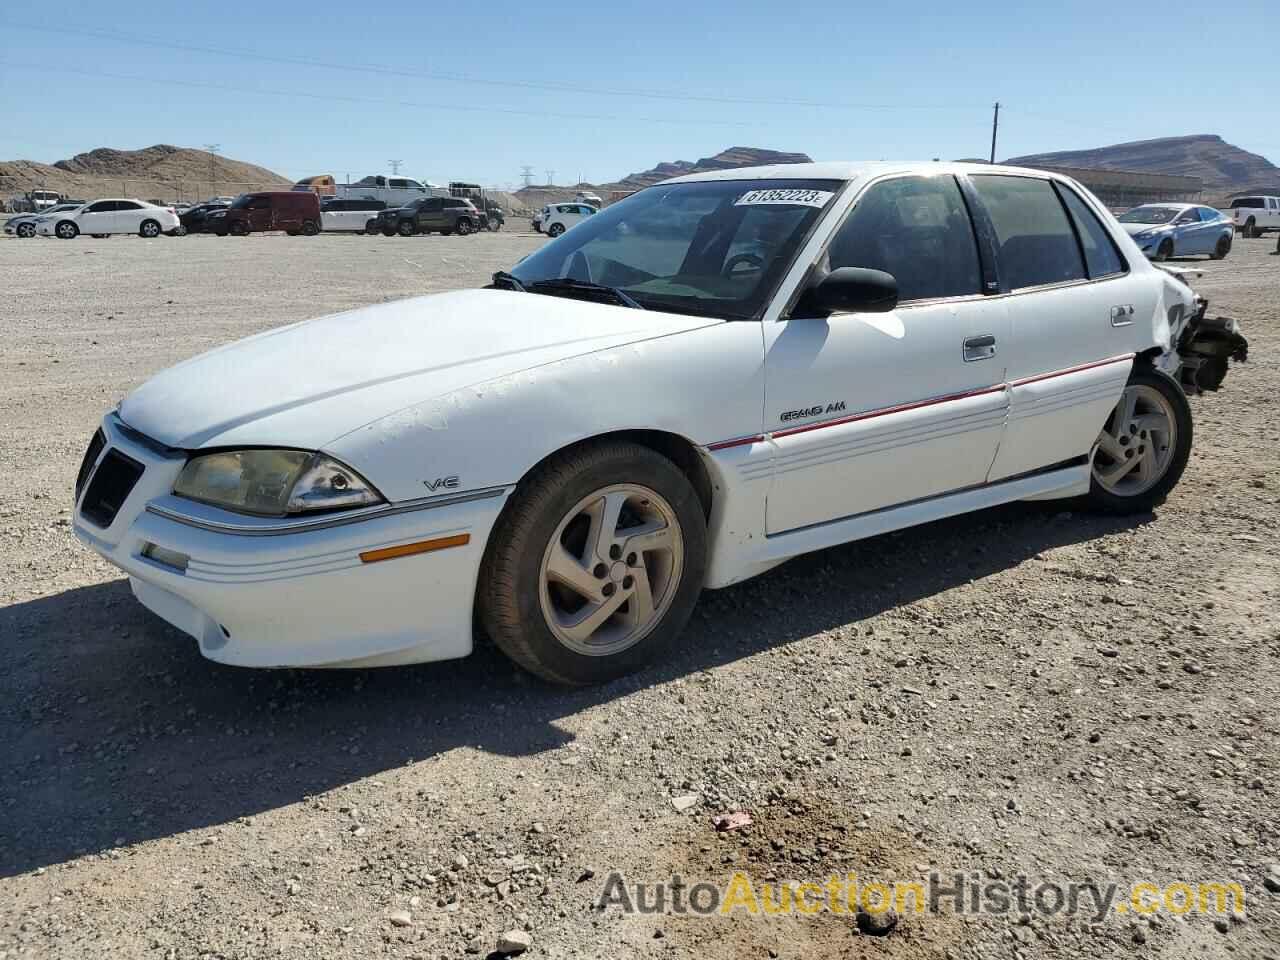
90,458
111,485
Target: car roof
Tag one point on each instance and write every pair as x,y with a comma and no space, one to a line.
855,170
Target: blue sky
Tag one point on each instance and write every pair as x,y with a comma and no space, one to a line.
476,91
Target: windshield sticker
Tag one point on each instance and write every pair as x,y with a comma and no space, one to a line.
802,198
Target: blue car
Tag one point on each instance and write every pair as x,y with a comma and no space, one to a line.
1164,230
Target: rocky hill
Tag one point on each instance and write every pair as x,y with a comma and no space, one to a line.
1223,167
534,198
162,172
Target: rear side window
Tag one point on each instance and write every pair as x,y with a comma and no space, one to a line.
1254,202
1036,242
916,228
1100,253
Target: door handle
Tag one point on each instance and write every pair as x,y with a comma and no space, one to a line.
1122,315
979,348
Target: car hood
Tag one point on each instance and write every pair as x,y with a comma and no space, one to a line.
1135,228
307,384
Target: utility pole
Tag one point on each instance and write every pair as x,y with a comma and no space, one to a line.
395,167
213,149
526,174
995,125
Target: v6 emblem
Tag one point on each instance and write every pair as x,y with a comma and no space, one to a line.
442,483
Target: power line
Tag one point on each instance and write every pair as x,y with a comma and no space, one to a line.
558,86
382,101
395,167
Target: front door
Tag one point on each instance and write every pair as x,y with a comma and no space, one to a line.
98,217
868,411
1074,307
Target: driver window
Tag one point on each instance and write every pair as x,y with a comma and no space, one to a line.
916,228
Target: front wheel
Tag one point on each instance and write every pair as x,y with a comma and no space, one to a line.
25,230
1222,248
66,230
1164,251
596,564
555,230
406,228
1143,447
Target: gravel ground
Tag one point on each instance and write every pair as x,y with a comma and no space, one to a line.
1027,689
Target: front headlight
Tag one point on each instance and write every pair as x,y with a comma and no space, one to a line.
273,482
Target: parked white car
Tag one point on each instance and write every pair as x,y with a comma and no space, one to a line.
1254,216
559,217
24,224
105,217
707,378
338,215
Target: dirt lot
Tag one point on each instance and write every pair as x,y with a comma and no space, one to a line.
1025,690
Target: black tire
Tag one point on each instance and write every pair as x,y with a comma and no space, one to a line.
388,232
555,230
99,236
292,233
1164,251
406,228
1249,232
239,229
508,596
1222,248
1101,499
66,230
149,229
371,228
25,230
309,228
463,226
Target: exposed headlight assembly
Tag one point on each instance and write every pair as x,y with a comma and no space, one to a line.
273,483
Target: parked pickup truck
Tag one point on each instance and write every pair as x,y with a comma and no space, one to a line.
1254,216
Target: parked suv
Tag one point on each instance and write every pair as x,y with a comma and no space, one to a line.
430,215
293,212
1254,216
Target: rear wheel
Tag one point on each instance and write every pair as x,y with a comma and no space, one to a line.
596,564
1249,229
371,228
1222,248
1143,447
66,230
463,226
309,228
149,229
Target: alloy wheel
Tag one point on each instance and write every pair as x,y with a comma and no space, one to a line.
611,569
1137,444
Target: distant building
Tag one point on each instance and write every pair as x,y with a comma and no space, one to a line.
1122,189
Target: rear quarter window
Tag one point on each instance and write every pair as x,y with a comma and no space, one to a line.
1037,245
1100,254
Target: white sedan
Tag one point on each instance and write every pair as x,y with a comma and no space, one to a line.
558,217
105,217
714,375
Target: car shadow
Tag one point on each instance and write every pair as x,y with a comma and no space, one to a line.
116,731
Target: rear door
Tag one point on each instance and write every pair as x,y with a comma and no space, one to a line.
874,410
128,216
1074,305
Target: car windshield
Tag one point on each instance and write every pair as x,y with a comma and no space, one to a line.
242,201
713,248
1150,215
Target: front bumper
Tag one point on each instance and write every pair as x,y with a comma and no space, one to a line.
254,596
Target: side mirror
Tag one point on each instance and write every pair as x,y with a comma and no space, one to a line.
849,290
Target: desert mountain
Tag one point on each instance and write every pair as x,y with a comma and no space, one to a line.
536,197
1223,167
162,172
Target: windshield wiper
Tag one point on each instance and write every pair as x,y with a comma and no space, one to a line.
510,280
567,284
